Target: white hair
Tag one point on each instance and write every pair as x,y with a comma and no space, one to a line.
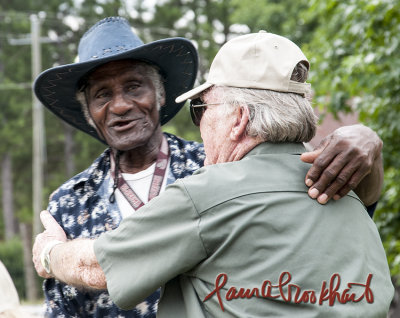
151,71
274,116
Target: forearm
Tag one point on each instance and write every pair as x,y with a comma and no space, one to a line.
75,263
369,189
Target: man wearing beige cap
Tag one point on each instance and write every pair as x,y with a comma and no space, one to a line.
241,238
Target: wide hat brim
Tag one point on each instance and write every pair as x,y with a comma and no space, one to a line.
176,57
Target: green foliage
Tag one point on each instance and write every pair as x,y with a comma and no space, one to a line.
2,229
181,125
11,256
286,18
355,61
352,45
15,103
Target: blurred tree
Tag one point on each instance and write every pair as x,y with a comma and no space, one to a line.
15,117
16,113
353,46
356,66
283,17
205,22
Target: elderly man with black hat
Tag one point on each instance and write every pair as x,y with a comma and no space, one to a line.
121,91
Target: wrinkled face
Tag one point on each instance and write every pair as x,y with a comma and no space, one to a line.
123,105
215,129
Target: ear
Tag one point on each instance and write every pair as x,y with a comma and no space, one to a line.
238,130
162,99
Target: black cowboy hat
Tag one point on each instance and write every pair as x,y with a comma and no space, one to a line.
113,39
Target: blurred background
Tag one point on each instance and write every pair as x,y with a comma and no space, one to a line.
353,47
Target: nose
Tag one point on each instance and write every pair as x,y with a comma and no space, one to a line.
119,104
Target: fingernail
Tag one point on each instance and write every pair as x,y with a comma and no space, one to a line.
336,197
323,198
309,182
313,193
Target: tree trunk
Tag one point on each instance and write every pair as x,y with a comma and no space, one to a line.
7,196
31,285
69,150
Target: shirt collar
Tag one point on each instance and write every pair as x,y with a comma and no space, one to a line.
276,148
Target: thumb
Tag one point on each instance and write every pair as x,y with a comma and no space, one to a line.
310,156
48,221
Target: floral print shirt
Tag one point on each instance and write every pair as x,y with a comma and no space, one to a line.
82,207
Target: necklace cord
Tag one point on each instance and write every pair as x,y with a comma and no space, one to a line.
116,176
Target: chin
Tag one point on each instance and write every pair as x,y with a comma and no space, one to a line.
130,143
127,147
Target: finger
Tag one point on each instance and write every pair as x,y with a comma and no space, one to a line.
330,191
352,184
36,255
52,229
334,176
315,171
37,248
320,164
40,270
347,179
310,156
48,221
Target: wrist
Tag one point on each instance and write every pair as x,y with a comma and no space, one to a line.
45,255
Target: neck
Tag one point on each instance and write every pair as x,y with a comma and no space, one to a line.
236,151
243,148
142,157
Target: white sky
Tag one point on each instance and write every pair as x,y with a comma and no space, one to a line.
73,22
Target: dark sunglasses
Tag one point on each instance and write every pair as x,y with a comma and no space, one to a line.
197,110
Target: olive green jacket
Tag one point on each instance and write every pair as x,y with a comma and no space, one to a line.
243,239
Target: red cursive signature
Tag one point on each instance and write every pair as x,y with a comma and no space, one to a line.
293,292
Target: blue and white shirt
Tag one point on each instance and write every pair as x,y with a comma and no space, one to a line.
82,207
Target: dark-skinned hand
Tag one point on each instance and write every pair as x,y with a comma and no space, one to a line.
348,159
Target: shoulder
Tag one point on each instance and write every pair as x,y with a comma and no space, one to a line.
186,156
177,144
82,184
94,173
222,182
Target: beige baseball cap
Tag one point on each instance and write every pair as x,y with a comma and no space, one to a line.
258,60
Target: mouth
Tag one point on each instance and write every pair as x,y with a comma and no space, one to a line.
122,125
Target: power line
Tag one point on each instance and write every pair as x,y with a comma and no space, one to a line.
13,86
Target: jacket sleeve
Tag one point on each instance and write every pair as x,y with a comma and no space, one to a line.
150,247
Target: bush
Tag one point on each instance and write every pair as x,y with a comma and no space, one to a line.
11,254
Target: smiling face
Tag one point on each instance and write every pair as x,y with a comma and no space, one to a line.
122,101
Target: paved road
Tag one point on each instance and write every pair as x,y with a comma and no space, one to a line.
35,310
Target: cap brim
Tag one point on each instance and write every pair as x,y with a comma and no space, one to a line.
194,93
176,58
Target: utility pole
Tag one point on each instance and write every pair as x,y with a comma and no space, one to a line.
38,128
38,160
39,153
